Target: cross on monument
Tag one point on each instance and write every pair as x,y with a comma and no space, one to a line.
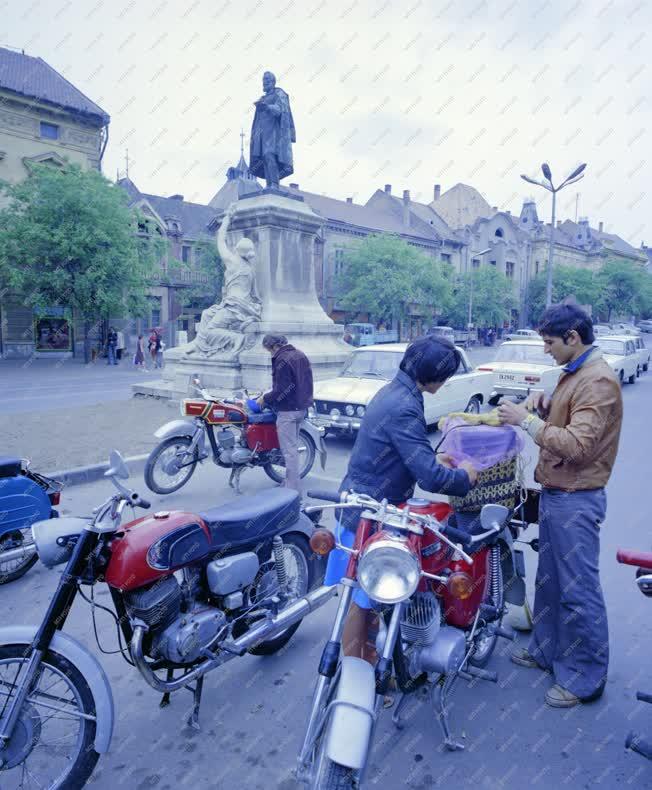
242,137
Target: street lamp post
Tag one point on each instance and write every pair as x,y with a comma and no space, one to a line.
576,175
473,255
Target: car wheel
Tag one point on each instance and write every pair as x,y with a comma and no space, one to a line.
473,406
621,376
638,372
632,378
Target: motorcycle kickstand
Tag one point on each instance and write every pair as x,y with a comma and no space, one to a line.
165,699
397,719
193,718
439,693
234,479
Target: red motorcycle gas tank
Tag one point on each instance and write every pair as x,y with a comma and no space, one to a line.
154,546
435,554
262,436
460,612
220,413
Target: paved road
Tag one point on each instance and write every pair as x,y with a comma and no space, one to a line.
254,709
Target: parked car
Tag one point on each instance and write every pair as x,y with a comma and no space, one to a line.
642,351
443,331
621,355
522,334
620,328
367,334
340,403
644,326
521,367
602,329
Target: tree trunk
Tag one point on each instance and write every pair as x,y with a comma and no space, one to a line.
87,342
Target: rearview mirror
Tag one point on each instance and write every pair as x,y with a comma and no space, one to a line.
117,466
492,517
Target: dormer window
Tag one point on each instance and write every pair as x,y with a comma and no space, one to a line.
49,130
499,233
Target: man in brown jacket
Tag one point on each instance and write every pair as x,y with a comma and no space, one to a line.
578,431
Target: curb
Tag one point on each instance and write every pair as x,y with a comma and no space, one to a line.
89,474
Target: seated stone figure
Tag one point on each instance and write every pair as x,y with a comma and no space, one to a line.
222,325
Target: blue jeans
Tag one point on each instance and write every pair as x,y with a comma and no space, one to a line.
111,355
570,635
338,559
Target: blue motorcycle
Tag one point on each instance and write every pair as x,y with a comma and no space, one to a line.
25,497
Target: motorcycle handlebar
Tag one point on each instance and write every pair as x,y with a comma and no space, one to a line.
328,496
458,535
144,503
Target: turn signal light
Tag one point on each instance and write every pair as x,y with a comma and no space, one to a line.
322,542
460,585
55,497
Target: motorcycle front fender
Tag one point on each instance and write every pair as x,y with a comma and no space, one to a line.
181,428
316,433
86,663
348,731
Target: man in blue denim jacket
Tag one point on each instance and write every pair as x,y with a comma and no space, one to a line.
391,455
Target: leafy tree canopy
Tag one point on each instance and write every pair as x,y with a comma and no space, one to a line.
493,298
384,275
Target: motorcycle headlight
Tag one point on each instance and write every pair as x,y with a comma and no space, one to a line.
350,410
360,411
311,412
335,413
388,571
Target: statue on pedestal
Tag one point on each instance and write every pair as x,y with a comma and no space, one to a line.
272,134
222,325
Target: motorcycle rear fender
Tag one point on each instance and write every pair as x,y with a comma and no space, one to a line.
181,428
348,730
86,663
317,435
513,573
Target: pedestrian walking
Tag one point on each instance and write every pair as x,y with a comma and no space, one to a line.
159,353
120,346
111,345
578,430
290,396
139,356
154,345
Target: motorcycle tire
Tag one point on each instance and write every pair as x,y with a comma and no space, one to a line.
22,567
86,758
339,777
271,469
150,466
301,544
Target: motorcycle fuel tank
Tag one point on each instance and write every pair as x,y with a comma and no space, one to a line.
152,547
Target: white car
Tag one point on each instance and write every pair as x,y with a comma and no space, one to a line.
642,352
340,403
621,356
644,326
523,334
521,367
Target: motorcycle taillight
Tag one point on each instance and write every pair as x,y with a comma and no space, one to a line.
54,497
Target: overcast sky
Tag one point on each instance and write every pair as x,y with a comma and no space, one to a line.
407,92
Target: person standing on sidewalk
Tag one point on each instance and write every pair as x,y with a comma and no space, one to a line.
578,430
111,345
154,346
139,356
290,396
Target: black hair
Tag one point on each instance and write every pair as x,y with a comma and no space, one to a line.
559,320
270,341
431,360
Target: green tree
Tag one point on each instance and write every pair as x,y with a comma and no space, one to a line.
624,289
384,276
567,281
493,298
68,238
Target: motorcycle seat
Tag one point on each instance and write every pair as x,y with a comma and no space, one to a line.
249,520
10,466
265,418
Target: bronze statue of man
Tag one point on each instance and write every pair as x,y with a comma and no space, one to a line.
272,134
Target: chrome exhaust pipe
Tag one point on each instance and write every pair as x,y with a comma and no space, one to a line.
20,553
267,629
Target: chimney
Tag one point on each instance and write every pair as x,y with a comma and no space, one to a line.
349,200
294,186
406,207
494,208
600,226
388,189
559,223
176,197
437,191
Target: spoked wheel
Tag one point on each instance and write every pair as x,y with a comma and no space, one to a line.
170,466
301,573
307,453
51,745
10,570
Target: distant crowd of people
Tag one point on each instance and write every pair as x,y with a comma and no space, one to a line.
116,349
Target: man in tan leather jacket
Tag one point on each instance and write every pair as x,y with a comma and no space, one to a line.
578,431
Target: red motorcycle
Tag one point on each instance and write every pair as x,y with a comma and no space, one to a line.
190,591
238,437
643,562
441,615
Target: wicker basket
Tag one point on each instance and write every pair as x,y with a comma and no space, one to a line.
496,486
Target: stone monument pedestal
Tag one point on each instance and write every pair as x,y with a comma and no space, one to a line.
283,231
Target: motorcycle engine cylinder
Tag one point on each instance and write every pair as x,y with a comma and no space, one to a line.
443,656
225,439
157,605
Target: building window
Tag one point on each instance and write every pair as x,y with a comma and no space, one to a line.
536,268
49,130
493,263
476,263
339,262
186,256
446,258
499,232
509,269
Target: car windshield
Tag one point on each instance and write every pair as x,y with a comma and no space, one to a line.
521,352
611,346
373,364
